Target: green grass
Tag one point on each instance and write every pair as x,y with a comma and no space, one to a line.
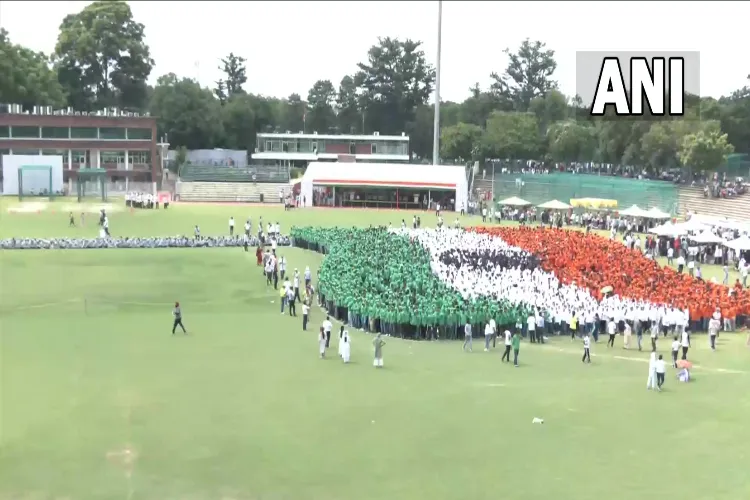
243,408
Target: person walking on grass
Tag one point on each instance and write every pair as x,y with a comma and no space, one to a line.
508,342
322,343
177,314
516,344
378,343
586,349
467,336
651,382
661,370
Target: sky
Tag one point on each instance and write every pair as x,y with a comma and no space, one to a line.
290,45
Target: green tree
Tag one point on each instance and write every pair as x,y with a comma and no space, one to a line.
292,113
221,91
421,136
479,105
320,101
238,118
348,116
705,150
393,83
735,118
459,142
571,141
187,113
102,58
528,75
26,77
511,135
549,108
235,76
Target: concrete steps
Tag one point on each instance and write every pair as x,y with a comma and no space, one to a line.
691,198
236,192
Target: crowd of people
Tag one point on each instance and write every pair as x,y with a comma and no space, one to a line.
147,242
134,199
595,263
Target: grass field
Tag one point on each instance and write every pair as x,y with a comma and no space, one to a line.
99,401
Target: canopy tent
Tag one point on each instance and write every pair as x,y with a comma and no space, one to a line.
741,244
595,203
705,238
514,202
692,226
722,222
555,205
655,213
634,211
670,230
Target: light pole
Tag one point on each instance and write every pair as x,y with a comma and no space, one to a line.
436,123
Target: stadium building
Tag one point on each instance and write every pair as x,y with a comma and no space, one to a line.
122,143
297,150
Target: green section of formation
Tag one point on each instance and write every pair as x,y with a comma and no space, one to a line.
377,274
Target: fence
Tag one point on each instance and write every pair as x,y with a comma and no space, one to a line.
539,188
117,188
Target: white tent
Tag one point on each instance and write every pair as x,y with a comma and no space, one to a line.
514,202
693,226
742,243
634,211
445,178
554,205
655,213
669,229
706,237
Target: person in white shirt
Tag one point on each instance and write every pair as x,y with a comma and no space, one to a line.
322,343
651,382
484,214
305,316
612,331
661,370
506,353
685,343
627,335
680,263
327,327
346,347
487,337
467,336
493,325
295,284
654,334
231,226
586,349
713,331
675,351
531,327
670,255
282,268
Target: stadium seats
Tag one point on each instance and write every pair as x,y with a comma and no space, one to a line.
691,198
245,192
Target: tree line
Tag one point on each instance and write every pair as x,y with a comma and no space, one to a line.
101,60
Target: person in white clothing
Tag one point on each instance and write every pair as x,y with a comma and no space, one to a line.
713,331
651,383
346,349
322,343
685,343
675,351
506,353
231,226
627,335
661,370
467,336
586,349
487,336
327,327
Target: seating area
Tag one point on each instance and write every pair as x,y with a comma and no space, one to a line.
254,173
694,200
243,192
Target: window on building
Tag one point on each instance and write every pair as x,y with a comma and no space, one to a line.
374,149
4,131
139,157
79,157
84,133
111,133
352,148
26,152
140,134
56,152
112,157
24,132
55,132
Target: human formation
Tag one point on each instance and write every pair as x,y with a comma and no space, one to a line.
126,242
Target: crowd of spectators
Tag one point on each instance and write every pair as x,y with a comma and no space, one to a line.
149,242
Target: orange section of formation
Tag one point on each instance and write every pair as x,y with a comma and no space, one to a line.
594,262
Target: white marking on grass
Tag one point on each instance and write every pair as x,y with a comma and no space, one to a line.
27,207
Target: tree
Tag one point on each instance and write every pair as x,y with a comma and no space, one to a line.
571,141
188,114
735,118
549,108
528,75
221,91
235,76
421,136
458,142
511,135
348,116
292,114
320,101
705,150
26,77
102,58
394,82
480,104
238,118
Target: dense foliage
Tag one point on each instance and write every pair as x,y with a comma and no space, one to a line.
101,60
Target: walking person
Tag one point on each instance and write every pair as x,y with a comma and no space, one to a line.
290,301
612,331
322,343
713,331
651,382
654,334
327,326
675,351
487,336
508,342
516,344
346,348
467,337
586,349
685,344
531,327
177,314
305,316
378,343
661,370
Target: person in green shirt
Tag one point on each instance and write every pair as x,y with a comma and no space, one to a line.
515,342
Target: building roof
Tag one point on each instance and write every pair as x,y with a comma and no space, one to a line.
386,174
335,137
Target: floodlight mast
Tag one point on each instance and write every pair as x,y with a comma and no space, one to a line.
436,124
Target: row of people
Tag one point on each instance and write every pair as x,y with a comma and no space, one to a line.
147,242
134,199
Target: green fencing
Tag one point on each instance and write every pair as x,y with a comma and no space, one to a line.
737,165
564,186
210,173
